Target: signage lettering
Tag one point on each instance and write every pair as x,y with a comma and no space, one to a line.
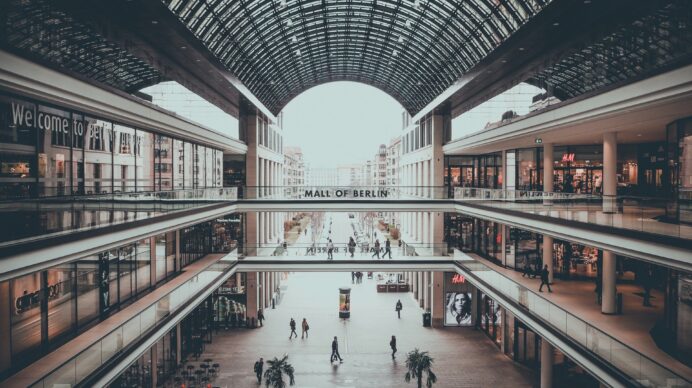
568,157
458,279
30,300
346,193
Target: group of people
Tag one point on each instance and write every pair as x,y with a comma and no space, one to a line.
304,326
357,277
387,249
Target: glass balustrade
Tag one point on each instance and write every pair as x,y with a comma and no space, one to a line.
623,212
622,357
87,361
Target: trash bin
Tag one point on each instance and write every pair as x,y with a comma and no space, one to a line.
427,319
618,303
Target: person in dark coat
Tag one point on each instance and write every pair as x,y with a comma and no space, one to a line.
260,317
259,366
398,308
387,249
392,344
335,352
292,324
377,249
544,279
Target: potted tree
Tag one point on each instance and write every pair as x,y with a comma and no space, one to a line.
274,375
418,363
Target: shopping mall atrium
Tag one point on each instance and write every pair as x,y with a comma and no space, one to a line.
517,212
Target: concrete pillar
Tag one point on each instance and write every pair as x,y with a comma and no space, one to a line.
252,294
421,288
414,284
266,288
154,364
548,152
178,344
609,281
260,176
610,179
5,314
427,294
437,301
178,257
547,361
548,256
152,262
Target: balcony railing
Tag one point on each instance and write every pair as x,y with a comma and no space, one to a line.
77,368
341,250
640,368
642,214
327,193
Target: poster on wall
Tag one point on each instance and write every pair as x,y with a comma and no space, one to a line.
458,309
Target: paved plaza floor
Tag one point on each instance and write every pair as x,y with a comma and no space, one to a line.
464,357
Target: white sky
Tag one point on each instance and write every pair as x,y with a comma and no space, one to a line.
341,123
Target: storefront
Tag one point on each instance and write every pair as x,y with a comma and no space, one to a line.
679,141
490,317
48,151
230,303
458,301
470,234
483,171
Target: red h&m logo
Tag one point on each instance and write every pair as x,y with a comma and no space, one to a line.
568,157
458,279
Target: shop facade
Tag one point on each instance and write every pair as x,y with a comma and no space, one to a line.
48,308
47,150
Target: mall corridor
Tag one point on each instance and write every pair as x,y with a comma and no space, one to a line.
464,357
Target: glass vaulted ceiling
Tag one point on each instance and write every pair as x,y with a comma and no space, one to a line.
412,50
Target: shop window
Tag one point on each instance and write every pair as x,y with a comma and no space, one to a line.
124,166
61,300
144,160
25,321
143,265
87,290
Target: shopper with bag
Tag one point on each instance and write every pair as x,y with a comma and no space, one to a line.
306,327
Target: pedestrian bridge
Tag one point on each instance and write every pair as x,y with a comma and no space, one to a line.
313,264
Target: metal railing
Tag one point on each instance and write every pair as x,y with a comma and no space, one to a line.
88,360
341,250
621,356
126,194
624,212
327,193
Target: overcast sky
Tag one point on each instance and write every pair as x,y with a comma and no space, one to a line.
341,122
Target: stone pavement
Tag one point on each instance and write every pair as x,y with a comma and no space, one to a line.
464,357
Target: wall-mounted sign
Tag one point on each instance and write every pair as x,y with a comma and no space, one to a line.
346,193
568,157
458,279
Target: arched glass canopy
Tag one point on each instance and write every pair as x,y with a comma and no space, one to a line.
412,50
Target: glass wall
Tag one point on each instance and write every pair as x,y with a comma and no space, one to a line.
484,171
49,151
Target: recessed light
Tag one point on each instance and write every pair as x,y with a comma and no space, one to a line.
183,47
556,24
639,135
521,49
154,22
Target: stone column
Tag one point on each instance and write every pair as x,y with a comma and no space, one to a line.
178,257
178,344
421,288
610,179
152,262
154,366
5,335
548,152
548,256
547,361
437,301
414,284
252,294
609,283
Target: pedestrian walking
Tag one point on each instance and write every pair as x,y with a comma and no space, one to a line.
335,352
398,308
351,245
292,324
544,279
392,344
353,277
260,317
305,328
259,366
284,245
377,249
387,249
330,250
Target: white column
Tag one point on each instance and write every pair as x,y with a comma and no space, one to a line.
260,181
548,256
610,180
609,279
548,171
547,361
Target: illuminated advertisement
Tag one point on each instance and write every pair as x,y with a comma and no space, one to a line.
458,309
344,302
